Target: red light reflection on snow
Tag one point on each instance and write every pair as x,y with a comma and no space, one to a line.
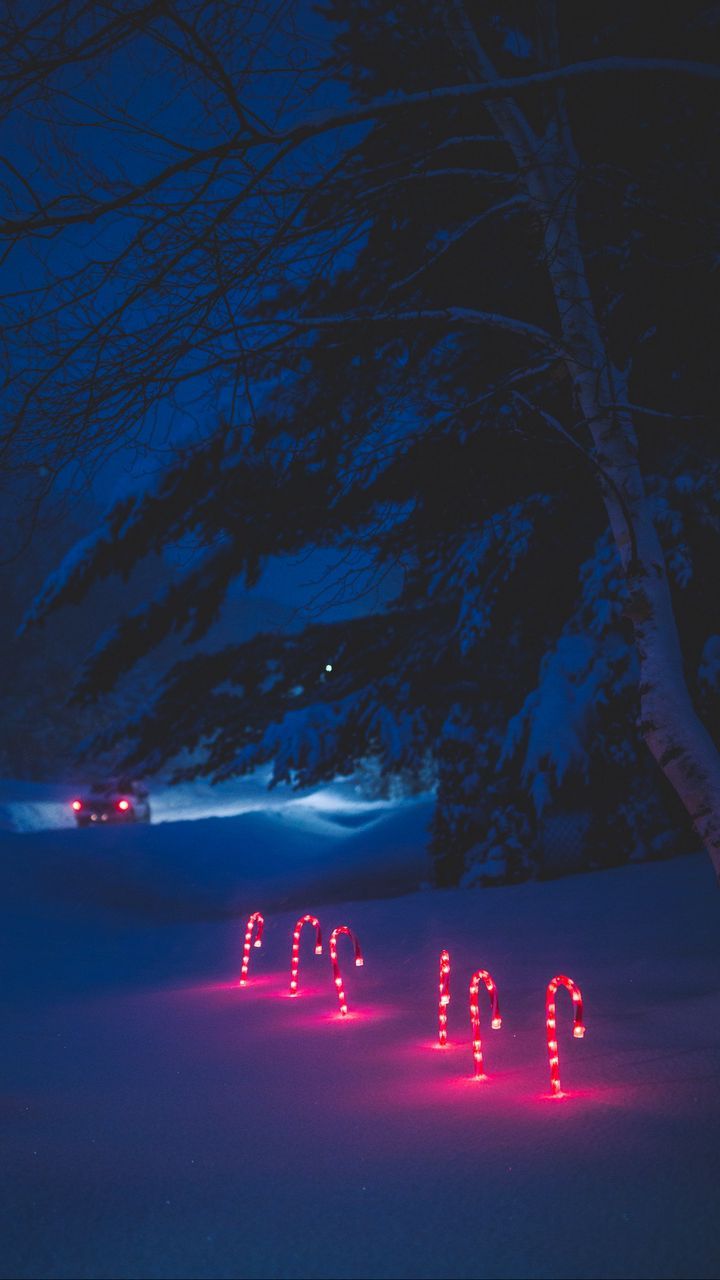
305,1017
260,986
421,1084
566,1096
311,991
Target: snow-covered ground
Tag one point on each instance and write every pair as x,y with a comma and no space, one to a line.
40,806
159,1121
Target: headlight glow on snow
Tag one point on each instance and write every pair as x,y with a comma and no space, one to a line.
551,1025
295,960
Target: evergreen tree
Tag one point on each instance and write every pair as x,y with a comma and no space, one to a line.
473,333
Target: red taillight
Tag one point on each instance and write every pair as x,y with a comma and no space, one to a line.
123,805
77,805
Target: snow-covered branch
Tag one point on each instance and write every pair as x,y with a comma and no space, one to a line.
424,315
257,135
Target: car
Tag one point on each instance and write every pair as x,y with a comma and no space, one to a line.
120,800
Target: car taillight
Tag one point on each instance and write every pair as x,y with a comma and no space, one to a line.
123,805
77,805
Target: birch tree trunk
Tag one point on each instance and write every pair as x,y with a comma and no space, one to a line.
668,722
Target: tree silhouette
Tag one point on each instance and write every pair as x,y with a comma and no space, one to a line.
446,286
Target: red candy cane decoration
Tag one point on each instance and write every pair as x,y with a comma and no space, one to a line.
295,960
255,919
444,996
551,1025
342,928
482,975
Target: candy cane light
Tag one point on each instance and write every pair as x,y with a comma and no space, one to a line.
482,975
295,958
255,919
342,928
444,996
551,1025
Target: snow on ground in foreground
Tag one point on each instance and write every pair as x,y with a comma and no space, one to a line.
161,1122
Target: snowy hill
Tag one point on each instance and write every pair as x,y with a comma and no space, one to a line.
162,1122
211,850
41,806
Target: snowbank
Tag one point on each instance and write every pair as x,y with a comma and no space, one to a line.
41,806
320,845
34,806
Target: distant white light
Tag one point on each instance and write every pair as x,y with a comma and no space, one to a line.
328,666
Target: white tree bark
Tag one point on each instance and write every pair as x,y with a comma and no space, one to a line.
669,722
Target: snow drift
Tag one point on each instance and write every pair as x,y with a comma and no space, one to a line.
160,1122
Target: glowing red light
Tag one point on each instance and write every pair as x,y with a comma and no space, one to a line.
342,928
295,959
444,996
77,805
482,975
123,805
551,1025
255,919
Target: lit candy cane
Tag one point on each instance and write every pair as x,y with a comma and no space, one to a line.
551,1025
295,961
482,975
444,996
255,919
342,928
